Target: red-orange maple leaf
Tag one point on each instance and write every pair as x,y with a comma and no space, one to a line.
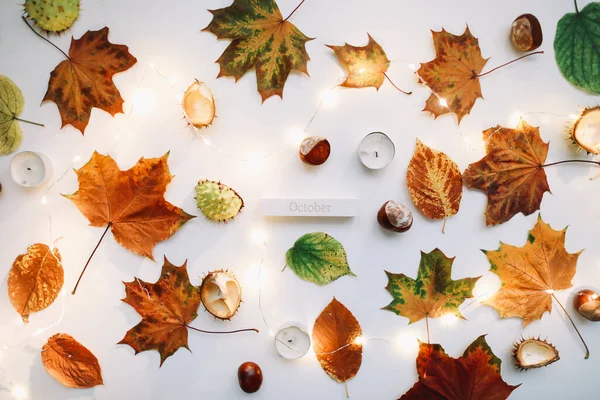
474,376
84,80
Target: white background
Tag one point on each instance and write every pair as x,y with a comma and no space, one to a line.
167,34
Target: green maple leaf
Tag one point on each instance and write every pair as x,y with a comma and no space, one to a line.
433,293
262,39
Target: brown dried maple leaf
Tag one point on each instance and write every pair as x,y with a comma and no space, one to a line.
453,76
131,203
335,342
35,279
84,80
71,363
166,307
474,376
434,182
511,174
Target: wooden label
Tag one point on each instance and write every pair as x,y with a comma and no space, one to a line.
309,207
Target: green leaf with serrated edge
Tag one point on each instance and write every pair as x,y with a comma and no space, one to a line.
577,47
433,293
260,38
318,258
11,106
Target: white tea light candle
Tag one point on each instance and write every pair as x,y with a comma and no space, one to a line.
292,342
29,169
376,150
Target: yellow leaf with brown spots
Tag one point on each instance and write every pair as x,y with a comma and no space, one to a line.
84,80
434,182
453,76
35,280
366,66
530,274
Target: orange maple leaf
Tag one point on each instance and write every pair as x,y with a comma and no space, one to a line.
453,76
84,80
512,172
531,274
131,203
474,376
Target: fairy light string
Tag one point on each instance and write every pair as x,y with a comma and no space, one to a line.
19,393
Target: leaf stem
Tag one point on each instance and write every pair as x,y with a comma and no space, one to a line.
53,45
394,85
427,326
576,7
510,62
295,9
90,259
222,332
444,226
28,122
572,161
587,351
346,386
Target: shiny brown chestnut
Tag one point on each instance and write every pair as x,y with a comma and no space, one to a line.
587,302
526,32
250,377
395,216
315,150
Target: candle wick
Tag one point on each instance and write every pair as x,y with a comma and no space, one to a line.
28,169
376,154
290,341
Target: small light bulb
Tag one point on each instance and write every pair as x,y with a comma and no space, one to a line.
174,79
329,98
549,291
443,102
38,331
143,100
76,158
44,200
362,70
259,235
255,162
412,66
19,392
152,65
206,140
360,340
296,135
449,319
406,343
574,117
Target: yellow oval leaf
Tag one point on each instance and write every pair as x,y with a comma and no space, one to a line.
434,182
71,363
35,280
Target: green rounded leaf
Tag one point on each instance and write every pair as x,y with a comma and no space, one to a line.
318,258
11,106
577,47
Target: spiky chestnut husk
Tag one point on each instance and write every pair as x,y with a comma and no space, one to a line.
221,294
520,349
585,131
52,15
218,202
199,105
